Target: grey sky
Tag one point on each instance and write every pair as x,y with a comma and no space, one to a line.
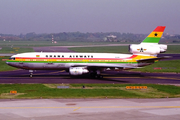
53,16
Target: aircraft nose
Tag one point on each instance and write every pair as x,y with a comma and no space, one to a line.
8,63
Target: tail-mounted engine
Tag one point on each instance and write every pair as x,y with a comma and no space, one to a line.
149,49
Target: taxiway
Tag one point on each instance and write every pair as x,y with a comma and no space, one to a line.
53,76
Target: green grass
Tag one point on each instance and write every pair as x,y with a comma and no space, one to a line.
170,89
166,66
91,91
4,66
106,49
26,46
22,43
173,49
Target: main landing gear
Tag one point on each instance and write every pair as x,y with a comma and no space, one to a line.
31,73
96,74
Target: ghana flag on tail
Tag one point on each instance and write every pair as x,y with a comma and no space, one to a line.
155,35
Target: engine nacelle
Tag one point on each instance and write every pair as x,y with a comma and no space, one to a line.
163,48
78,70
149,49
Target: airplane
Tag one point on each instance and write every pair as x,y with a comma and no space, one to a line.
143,54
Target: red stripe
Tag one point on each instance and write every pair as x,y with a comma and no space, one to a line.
159,29
133,56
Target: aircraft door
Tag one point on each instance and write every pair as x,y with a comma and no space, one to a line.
49,64
50,61
21,64
20,61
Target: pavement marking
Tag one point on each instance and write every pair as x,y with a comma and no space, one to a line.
53,50
77,107
165,78
147,77
122,77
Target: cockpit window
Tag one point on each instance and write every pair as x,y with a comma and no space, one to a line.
12,58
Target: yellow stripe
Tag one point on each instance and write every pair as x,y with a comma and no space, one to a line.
86,60
139,57
155,34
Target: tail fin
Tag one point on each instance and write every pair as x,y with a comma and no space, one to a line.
155,35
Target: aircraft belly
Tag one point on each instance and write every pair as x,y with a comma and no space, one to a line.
39,66
54,66
143,64
104,65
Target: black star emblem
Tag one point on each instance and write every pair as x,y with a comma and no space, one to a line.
141,50
155,34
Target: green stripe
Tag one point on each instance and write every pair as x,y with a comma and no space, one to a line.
151,40
66,62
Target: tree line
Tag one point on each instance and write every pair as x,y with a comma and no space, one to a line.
88,37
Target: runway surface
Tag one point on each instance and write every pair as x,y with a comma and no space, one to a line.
90,109
52,76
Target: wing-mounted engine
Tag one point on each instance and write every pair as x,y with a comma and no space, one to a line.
148,49
78,70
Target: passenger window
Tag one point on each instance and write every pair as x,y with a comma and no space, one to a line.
58,55
91,56
46,55
84,56
81,56
54,55
77,56
70,56
50,56
62,55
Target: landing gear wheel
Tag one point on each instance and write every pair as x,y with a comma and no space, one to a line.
31,73
93,75
99,76
96,75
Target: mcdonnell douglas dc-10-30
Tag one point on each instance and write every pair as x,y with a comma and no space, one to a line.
143,54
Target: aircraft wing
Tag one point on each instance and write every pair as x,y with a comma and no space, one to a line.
99,66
